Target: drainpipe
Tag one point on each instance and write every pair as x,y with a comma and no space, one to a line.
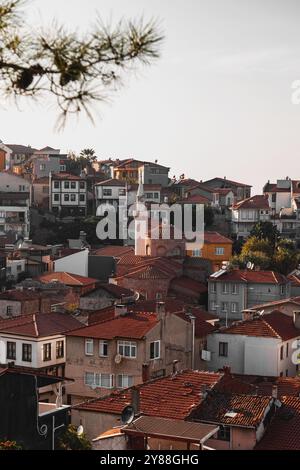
193,318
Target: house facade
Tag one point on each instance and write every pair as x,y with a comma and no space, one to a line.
232,291
14,205
67,195
125,351
263,345
248,212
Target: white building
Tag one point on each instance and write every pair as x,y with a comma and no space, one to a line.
262,345
14,205
36,341
68,195
245,214
14,267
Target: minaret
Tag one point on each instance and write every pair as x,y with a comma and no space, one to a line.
141,220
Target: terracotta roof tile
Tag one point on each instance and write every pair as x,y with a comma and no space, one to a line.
272,325
283,431
215,237
39,325
133,325
258,277
253,202
247,410
67,278
167,397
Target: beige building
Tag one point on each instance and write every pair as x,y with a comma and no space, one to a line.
126,350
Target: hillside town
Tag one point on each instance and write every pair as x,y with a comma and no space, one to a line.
146,341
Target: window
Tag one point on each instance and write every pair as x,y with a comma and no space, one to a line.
59,349
19,268
82,185
224,306
213,305
9,310
234,289
73,197
224,433
103,348
82,197
197,253
274,197
281,353
213,288
42,166
56,197
11,350
47,352
45,189
66,197
26,352
73,184
127,349
107,192
234,307
223,349
122,192
149,195
286,373
219,250
98,380
124,381
225,288
56,184
89,347
282,289
62,168
156,195
67,184
281,374
155,350
287,350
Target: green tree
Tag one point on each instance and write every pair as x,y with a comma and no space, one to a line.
266,231
89,154
77,70
70,440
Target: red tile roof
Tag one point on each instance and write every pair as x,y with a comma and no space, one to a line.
66,176
114,250
133,325
283,431
257,277
69,279
295,280
253,202
113,289
226,180
194,199
202,327
272,325
147,273
215,237
97,316
39,325
248,410
112,182
167,397
186,283
293,300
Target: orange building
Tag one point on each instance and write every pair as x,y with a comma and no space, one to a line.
216,248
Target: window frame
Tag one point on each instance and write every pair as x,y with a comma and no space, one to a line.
223,349
26,352
122,345
154,343
86,342
9,356
103,344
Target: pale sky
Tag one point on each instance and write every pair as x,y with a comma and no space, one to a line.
217,103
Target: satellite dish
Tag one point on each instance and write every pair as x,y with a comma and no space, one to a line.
261,313
127,415
93,386
249,265
80,430
136,296
118,358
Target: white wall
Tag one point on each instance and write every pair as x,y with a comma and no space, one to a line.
74,264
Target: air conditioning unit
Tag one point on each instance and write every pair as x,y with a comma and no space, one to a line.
205,355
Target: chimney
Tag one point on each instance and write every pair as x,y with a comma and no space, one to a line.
120,310
135,400
145,373
296,316
248,314
275,392
174,364
227,370
160,309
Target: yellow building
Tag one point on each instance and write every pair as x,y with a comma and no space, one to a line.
216,248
